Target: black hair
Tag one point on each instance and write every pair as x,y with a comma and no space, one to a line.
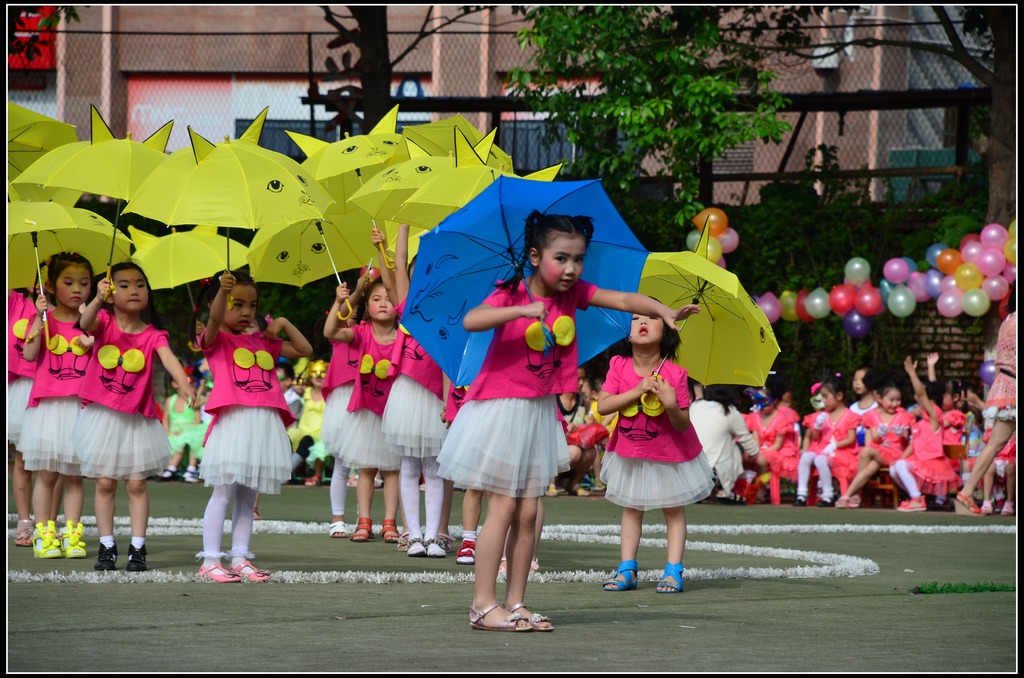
725,395
149,314
884,382
935,390
287,368
537,234
835,384
208,290
870,377
55,265
667,348
776,386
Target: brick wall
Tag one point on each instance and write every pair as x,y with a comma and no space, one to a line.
960,343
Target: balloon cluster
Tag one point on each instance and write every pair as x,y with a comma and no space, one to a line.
723,239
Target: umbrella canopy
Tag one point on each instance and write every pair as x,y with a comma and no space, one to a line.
181,257
730,341
440,137
32,135
37,193
236,184
303,252
383,194
37,229
460,261
106,166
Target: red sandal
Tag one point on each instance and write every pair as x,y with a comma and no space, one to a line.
364,530
389,531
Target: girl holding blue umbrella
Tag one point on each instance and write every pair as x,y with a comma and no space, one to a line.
507,440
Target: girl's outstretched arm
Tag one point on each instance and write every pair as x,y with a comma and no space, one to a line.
173,366
380,241
218,307
90,313
33,345
297,345
920,394
336,329
486,317
402,263
631,302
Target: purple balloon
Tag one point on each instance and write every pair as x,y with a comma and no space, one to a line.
771,306
856,325
916,284
933,282
987,372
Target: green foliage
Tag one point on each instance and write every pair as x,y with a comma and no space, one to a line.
963,587
642,91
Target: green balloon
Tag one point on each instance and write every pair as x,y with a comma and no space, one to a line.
901,301
975,302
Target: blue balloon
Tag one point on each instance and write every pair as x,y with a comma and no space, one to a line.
856,325
933,253
911,263
933,282
884,287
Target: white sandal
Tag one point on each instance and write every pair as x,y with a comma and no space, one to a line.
337,530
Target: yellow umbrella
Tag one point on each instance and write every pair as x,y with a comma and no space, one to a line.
181,257
49,227
365,154
730,341
303,252
37,193
235,184
31,135
383,194
440,138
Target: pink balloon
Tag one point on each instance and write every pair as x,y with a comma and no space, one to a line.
971,250
916,284
994,236
991,262
729,240
771,306
996,287
950,302
1010,273
721,262
948,282
896,270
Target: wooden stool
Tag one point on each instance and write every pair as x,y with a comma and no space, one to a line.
882,488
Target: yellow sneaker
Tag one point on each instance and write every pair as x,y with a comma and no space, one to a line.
44,542
72,544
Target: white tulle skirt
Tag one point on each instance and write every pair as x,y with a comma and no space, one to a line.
46,432
364,445
511,446
336,421
18,392
412,419
643,484
118,445
248,446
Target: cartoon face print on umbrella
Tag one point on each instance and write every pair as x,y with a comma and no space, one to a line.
120,371
374,376
68,359
252,371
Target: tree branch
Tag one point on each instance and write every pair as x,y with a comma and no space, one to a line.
425,33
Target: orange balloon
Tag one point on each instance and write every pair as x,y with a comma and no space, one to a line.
948,261
715,218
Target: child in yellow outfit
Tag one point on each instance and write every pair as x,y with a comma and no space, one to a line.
305,436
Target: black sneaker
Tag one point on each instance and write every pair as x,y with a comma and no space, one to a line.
826,503
136,559
800,501
107,559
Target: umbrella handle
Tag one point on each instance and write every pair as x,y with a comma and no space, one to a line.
651,403
348,305
385,258
110,290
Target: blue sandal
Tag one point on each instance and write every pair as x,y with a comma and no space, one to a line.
625,567
673,571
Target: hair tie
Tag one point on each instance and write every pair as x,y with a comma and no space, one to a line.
814,387
839,374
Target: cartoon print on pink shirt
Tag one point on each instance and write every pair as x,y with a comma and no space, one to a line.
19,330
638,423
252,372
373,376
543,363
67,360
120,372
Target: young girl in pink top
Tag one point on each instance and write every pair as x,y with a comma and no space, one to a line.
118,434
505,440
247,450
923,467
887,432
654,458
833,445
339,382
411,423
774,427
20,312
374,340
60,356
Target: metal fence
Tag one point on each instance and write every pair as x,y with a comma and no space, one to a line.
897,115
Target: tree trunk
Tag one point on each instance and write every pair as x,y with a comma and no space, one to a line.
1000,153
375,62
